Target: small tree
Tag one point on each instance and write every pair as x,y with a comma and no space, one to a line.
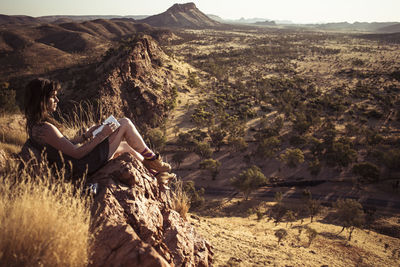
212,166
292,157
280,234
290,217
278,197
311,234
367,170
178,158
249,180
217,137
314,167
192,80
238,144
268,147
350,213
196,196
156,138
314,207
203,149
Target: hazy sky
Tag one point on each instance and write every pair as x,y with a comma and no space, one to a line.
301,11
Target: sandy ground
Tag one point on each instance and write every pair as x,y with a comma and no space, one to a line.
247,241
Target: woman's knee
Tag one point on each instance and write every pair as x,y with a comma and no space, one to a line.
126,122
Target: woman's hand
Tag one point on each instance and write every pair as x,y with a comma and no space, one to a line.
89,132
108,129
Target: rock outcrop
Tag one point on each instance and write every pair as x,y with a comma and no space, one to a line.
136,223
133,81
182,16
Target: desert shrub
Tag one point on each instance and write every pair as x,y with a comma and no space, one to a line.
268,147
292,157
311,234
217,136
8,103
316,146
278,212
392,159
192,80
300,125
238,144
198,135
156,139
233,125
178,158
259,214
314,167
278,197
280,234
196,197
297,140
212,165
44,220
367,171
203,149
290,217
340,154
201,117
357,62
350,214
249,180
186,141
313,208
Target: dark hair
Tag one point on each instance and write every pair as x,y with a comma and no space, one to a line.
37,95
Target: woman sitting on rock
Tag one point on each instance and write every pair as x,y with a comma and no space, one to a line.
93,152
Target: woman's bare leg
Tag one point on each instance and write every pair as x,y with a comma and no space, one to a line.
126,132
125,147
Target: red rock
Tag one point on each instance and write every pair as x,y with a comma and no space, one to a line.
135,222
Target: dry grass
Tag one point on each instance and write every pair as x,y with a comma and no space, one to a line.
44,220
12,133
83,116
181,201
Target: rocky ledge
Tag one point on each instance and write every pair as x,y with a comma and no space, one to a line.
135,222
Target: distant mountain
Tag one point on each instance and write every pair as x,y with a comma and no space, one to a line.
266,23
4,19
356,26
390,29
182,16
67,18
216,18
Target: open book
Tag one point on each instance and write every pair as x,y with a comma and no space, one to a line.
108,120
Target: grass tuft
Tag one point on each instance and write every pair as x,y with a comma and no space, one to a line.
44,220
181,201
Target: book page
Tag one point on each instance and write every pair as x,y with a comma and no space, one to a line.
108,120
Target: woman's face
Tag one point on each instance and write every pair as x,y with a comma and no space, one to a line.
53,100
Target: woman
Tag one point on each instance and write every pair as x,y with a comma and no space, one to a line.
41,101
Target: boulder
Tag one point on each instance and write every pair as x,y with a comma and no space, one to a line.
135,223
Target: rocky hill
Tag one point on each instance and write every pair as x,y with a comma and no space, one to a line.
11,20
35,49
134,80
182,16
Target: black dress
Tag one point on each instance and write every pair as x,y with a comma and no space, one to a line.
90,163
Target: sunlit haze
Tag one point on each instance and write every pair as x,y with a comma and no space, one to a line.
299,11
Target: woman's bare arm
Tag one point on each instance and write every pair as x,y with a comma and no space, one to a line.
52,136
